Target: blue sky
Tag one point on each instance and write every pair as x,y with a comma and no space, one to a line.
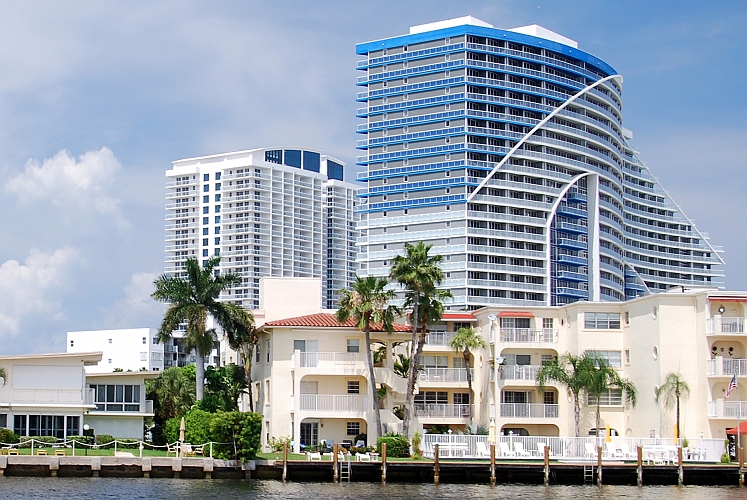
97,98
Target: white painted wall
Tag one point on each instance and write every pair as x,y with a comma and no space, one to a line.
123,348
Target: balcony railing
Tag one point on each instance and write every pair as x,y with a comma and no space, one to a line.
527,335
441,411
444,375
145,406
727,409
529,410
519,372
725,325
439,338
314,359
333,403
729,366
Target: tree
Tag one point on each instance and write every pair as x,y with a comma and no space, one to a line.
602,378
367,304
570,371
192,299
3,375
172,393
671,392
465,341
244,342
416,271
225,385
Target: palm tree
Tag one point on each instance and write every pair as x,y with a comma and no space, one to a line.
602,378
570,371
192,299
173,393
3,375
416,271
367,303
244,342
465,341
671,391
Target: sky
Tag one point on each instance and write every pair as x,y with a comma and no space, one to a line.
98,98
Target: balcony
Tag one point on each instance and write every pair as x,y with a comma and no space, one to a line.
727,409
329,359
528,335
528,410
728,326
333,403
441,411
726,367
145,406
520,372
444,375
439,338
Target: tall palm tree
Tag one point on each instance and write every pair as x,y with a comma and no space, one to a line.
671,392
416,271
570,371
244,343
466,341
367,303
173,393
192,299
602,378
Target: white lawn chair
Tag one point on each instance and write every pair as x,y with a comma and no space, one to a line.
505,450
541,449
520,450
482,449
612,450
314,456
625,450
591,451
362,457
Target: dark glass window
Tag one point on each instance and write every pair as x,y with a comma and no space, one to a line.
292,158
311,161
274,156
334,170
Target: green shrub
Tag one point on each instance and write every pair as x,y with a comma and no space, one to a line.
240,430
725,458
276,444
416,440
196,427
397,445
38,441
7,436
103,440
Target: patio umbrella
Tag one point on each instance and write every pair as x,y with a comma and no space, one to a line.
491,431
742,429
608,436
182,428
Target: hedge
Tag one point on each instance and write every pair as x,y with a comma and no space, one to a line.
238,432
7,436
397,446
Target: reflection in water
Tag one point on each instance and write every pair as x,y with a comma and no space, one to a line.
171,489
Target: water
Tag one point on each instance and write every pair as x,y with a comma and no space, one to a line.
172,489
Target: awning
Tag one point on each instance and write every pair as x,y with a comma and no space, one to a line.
729,299
458,317
742,429
515,314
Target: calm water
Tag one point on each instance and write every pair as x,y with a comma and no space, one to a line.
171,489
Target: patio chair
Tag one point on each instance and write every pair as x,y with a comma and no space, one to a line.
172,449
520,450
541,449
612,450
482,449
346,443
314,456
360,444
42,453
12,452
591,451
60,453
625,450
505,450
188,450
363,457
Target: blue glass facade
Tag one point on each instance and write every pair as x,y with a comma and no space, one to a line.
507,152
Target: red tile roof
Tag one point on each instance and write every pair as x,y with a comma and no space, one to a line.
327,320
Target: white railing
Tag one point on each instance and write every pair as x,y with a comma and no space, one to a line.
529,410
441,411
519,372
734,409
526,335
729,366
444,375
720,324
439,338
580,448
333,403
314,359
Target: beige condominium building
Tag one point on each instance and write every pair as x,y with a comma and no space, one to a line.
310,381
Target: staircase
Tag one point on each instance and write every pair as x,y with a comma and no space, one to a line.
588,474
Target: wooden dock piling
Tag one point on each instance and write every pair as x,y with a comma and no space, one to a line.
640,465
599,465
335,469
492,464
383,463
547,465
436,465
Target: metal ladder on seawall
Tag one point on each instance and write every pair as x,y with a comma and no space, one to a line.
588,473
345,470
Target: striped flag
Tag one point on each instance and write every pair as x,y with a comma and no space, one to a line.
732,386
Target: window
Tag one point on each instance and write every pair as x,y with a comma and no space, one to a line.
257,355
217,186
607,398
217,230
204,252
548,358
431,398
217,219
110,341
612,358
354,428
205,177
461,398
217,178
206,220
206,188
514,322
435,362
547,323
71,343
117,397
354,387
205,242
205,231
143,356
217,208
267,392
268,351
217,241
206,199
217,197
627,356
3,420
145,340
549,398
206,210
602,321
354,345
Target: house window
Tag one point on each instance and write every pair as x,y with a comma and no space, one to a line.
354,387
3,420
607,398
268,351
354,345
627,356
145,340
110,341
602,321
514,322
354,428
547,323
611,358
143,356
71,343
117,397
549,398
461,398
435,362
267,392
257,354
431,398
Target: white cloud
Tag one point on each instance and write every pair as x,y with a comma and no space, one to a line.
137,308
34,287
65,181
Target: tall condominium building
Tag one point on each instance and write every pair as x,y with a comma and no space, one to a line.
505,150
266,212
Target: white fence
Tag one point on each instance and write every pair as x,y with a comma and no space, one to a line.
568,448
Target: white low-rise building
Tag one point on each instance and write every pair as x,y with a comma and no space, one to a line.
126,349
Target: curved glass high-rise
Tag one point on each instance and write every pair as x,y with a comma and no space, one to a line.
505,150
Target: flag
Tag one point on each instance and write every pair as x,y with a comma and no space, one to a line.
732,386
